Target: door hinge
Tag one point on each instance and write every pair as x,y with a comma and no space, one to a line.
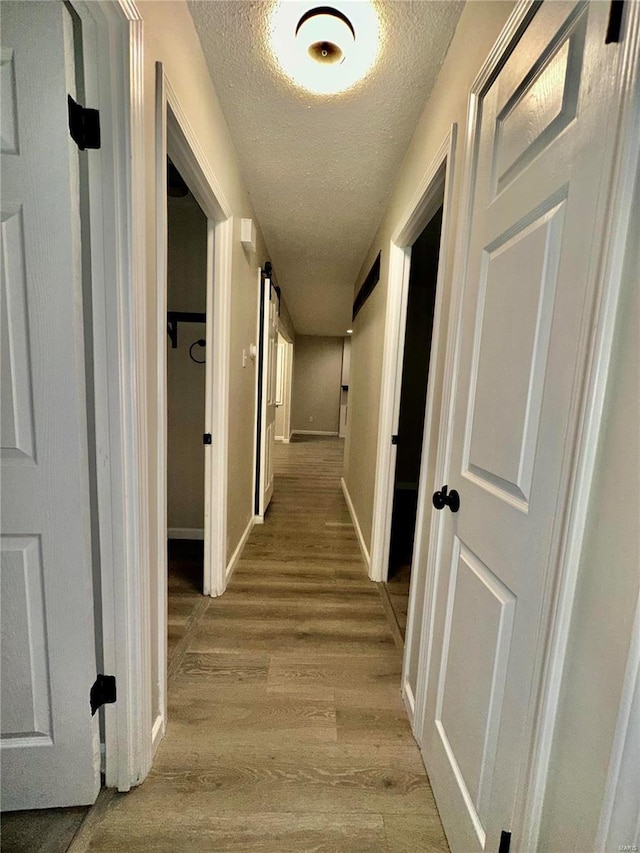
84,125
206,438
394,439
614,27
103,692
505,842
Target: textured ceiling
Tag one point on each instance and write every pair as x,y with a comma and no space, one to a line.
319,169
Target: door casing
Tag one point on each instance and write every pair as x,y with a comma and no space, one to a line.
113,65
175,138
434,189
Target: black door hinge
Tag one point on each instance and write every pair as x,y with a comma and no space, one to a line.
103,692
206,438
394,439
505,842
614,27
84,125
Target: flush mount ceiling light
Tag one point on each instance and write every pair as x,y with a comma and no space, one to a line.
325,49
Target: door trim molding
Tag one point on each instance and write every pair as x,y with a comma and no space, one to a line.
120,367
436,183
619,816
175,137
587,412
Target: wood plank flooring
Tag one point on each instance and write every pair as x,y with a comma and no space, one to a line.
286,728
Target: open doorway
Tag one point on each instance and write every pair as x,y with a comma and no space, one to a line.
186,360
421,299
201,329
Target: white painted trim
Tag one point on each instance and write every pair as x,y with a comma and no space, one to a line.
235,557
619,826
223,281
157,733
394,331
175,137
418,611
287,386
356,523
586,418
256,403
162,567
187,154
435,186
185,533
409,701
117,179
314,432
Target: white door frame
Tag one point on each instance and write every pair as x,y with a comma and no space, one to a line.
434,189
287,382
587,407
262,385
114,84
176,138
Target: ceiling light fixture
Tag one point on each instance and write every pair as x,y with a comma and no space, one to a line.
325,49
349,331
326,34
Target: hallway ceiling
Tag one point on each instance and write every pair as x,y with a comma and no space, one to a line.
319,169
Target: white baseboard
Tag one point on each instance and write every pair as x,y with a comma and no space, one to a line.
185,533
409,702
238,552
356,523
312,432
157,733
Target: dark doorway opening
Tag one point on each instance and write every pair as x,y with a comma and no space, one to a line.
413,395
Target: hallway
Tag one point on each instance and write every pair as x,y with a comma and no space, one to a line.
286,729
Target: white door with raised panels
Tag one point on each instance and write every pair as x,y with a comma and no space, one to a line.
269,360
49,742
540,166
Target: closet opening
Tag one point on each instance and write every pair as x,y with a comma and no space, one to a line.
413,396
186,360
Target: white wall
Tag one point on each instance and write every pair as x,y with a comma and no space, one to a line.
317,371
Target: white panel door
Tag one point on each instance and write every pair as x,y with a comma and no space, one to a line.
49,747
540,164
269,356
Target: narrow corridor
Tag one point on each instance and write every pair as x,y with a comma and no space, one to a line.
286,728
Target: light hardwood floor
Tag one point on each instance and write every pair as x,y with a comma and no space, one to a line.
286,728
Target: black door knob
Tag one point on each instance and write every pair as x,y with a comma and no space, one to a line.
445,498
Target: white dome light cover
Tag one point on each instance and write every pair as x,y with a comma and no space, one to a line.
325,49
